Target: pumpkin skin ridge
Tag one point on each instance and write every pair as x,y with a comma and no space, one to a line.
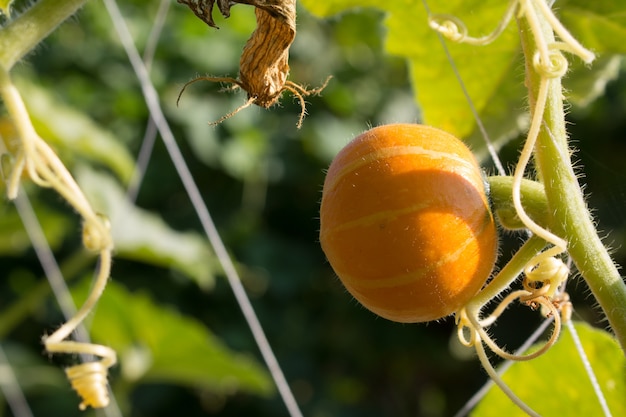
401,151
362,291
405,279
375,217
392,213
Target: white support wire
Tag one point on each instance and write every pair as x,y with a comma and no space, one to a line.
152,101
583,356
149,138
478,395
11,388
47,260
155,33
588,369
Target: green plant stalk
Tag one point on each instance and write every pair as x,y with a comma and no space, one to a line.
501,197
26,31
508,274
569,216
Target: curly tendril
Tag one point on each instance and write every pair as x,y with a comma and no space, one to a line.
454,29
553,66
45,169
550,273
88,379
449,26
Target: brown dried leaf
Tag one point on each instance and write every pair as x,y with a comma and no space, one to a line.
264,63
204,9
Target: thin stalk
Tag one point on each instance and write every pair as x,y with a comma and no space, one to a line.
480,394
482,356
568,214
26,31
508,273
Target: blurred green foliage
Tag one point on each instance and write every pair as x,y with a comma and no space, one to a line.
563,365
261,179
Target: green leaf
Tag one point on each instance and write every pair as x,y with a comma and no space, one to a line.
505,115
599,25
158,344
584,84
482,68
14,240
143,236
556,384
63,126
492,74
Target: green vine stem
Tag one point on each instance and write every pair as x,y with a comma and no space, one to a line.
510,272
533,199
568,215
26,31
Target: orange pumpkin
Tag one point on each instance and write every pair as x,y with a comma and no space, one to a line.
406,224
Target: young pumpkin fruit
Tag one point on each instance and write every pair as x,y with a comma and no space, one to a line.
406,224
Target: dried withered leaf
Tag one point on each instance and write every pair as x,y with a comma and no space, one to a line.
204,9
264,62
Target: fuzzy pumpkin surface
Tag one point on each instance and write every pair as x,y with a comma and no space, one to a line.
405,222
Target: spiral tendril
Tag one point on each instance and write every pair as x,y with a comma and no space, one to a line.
550,273
553,66
90,381
45,169
454,29
449,26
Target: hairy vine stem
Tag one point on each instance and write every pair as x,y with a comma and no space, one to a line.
568,213
26,31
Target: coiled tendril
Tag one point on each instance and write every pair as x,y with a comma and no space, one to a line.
45,169
89,379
